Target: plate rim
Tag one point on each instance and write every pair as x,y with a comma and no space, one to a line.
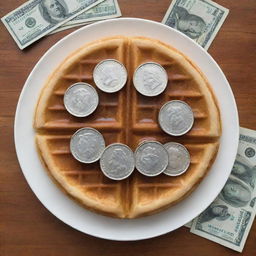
128,237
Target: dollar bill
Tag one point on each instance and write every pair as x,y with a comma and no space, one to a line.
198,19
108,9
105,10
229,218
189,224
36,18
69,26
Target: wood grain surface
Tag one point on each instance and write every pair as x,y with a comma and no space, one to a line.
26,227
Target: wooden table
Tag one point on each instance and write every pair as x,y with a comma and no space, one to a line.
26,227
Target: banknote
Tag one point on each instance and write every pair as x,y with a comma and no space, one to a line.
106,10
189,224
229,218
198,19
36,18
70,26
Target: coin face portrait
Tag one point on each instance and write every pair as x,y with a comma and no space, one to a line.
176,117
117,161
109,77
149,158
53,11
151,79
80,98
87,145
175,157
179,159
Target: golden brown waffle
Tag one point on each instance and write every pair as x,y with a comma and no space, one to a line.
129,118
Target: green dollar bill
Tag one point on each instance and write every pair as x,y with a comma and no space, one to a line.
198,19
106,10
229,218
36,18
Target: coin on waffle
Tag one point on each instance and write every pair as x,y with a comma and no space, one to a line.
126,117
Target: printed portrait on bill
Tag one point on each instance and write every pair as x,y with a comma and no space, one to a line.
236,192
218,212
53,11
244,171
190,24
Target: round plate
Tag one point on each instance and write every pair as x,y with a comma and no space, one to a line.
68,210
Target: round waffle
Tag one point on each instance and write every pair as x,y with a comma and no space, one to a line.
130,118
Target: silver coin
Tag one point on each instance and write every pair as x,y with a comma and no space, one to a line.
81,99
87,145
117,161
176,117
151,158
110,75
150,79
179,159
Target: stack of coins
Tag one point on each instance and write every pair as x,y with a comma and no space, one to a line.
117,161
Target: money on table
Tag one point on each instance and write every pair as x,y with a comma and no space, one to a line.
228,219
198,19
37,18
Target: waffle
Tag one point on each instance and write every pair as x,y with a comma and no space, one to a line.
126,117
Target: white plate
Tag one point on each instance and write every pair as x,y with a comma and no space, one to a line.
105,227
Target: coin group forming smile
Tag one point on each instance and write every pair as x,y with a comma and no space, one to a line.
117,161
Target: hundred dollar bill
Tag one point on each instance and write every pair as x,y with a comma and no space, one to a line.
36,18
105,10
69,26
189,224
198,19
229,218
